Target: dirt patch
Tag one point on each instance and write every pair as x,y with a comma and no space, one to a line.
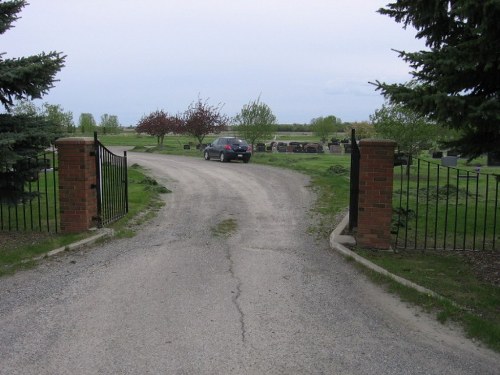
11,240
486,265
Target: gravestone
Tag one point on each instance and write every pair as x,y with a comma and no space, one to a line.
335,149
347,148
437,154
493,159
449,161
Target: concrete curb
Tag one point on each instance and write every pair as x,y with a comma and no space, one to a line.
103,232
337,241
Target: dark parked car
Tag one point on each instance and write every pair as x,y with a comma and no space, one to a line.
228,148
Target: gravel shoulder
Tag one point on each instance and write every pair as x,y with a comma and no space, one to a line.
265,297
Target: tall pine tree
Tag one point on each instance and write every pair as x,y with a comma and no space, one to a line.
456,80
21,136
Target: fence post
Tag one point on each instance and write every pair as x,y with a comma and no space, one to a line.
77,181
375,193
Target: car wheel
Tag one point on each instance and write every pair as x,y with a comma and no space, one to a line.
246,160
206,156
222,157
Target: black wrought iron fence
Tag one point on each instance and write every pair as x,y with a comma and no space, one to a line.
440,207
30,203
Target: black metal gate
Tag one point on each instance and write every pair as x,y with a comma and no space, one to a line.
354,195
111,184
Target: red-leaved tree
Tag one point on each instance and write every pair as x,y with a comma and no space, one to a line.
201,119
159,124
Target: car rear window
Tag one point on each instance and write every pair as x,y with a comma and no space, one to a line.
237,141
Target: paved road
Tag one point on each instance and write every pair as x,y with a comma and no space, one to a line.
264,298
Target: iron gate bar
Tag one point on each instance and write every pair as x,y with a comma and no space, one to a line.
39,203
54,168
46,195
437,207
456,211
398,224
416,207
125,179
407,206
485,219
97,153
30,189
475,213
354,183
466,208
496,210
427,190
447,207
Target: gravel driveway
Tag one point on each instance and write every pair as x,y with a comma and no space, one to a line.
263,297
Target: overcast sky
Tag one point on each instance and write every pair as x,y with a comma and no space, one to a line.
305,58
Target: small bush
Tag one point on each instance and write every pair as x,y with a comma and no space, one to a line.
338,170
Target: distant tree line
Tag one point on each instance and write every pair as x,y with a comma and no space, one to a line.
63,120
294,128
109,124
255,122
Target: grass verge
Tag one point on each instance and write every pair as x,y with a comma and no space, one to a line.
468,300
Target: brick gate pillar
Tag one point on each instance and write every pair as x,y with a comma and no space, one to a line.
376,172
77,179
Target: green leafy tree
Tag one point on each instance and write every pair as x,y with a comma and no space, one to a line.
22,137
86,123
255,122
456,81
364,129
54,113
201,119
63,120
25,108
324,127
411,131
109,124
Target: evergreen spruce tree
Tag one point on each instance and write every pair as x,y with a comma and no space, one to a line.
456,80
22,137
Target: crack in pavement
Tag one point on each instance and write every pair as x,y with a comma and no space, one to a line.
237,294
